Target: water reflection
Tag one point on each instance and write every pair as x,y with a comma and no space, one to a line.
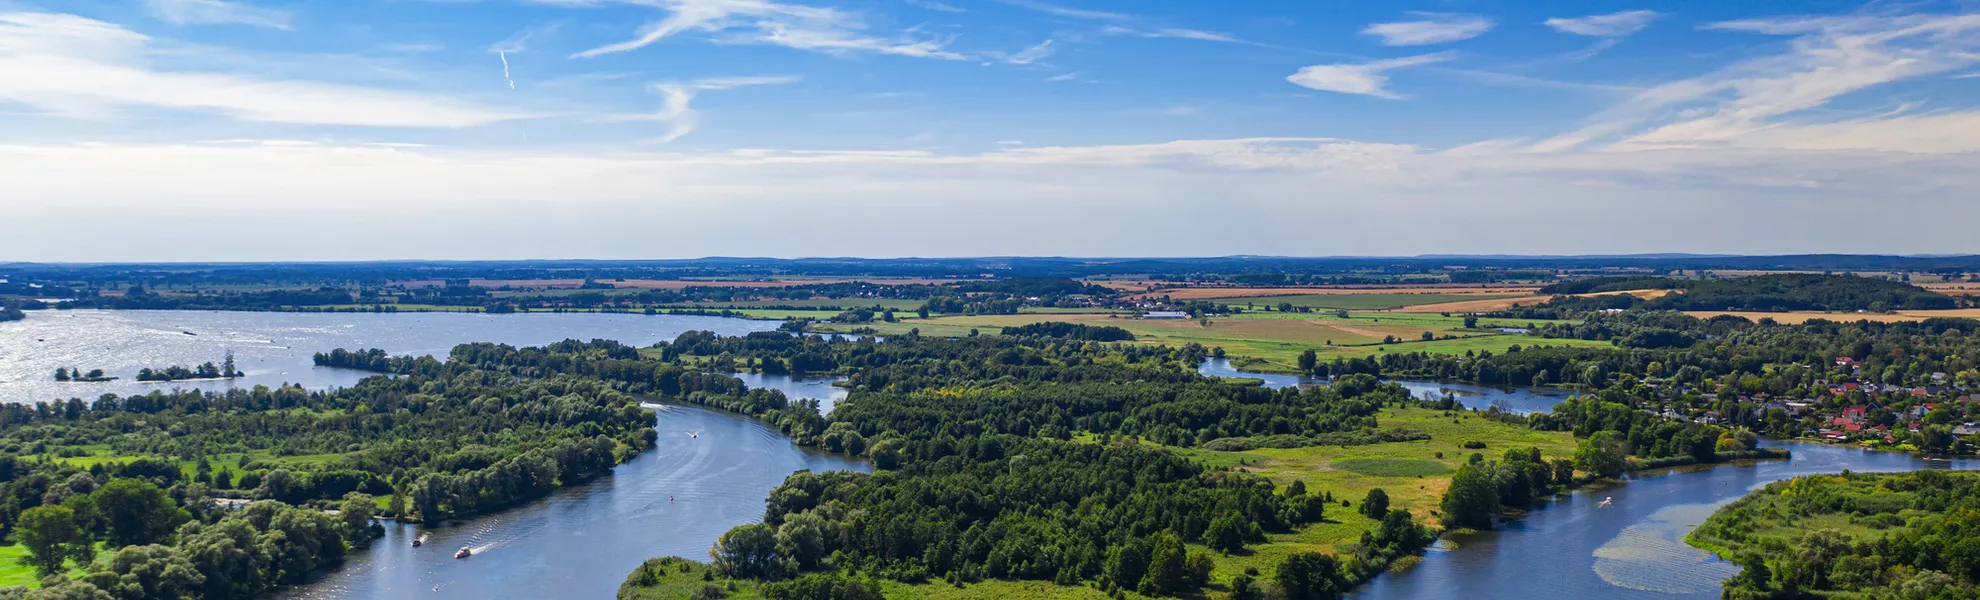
1632,549
581,542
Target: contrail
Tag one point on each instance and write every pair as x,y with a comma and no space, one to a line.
505,68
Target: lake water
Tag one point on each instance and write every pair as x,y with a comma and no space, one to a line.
582,541
1520,400
1631,550
275,348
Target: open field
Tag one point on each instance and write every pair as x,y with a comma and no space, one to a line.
675,284
1412,473
1476,306
1277,338
1805,316
1213,293
1360,301
1961,288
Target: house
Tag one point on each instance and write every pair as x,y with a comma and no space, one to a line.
1939,378
1855,413
1844,361
1165,314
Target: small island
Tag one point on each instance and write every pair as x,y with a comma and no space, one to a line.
207,370
77,375
1851,535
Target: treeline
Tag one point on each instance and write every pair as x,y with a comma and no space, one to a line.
9,311
1854,535
206,370
138,298
1077,331
1617,283
1758,293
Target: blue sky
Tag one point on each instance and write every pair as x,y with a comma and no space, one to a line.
360,129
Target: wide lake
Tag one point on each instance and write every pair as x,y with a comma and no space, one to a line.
275,348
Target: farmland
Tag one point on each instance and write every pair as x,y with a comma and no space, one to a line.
1277,338
1360,301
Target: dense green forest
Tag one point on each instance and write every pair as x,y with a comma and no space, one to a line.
1760,293
1910,536
1614,283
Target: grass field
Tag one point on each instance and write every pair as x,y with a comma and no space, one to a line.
1361,301
1216,293
15,574
1414,474
102,454
1277,338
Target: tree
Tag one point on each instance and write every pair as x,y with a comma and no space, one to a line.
1309,576
1472,497
1226,533
142,572
1376,505
1470,322
355,514
1167,568
1244,588
1308,359
747,552
131,512
1601,454
52,536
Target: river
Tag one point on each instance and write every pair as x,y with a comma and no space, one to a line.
580,542
1575,548
1519,400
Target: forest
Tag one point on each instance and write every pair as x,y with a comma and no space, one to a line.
1909,536
1758,293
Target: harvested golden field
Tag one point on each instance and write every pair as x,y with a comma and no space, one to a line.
1804,316
1961,288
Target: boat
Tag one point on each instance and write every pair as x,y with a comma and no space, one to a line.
464,553
418,542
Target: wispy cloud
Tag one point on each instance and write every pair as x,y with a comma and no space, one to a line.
1067,11
801,27
934,6
676,97
1360,78
1433,28
1073,76
1607,26
80,67
1031,54
217,12
1772,101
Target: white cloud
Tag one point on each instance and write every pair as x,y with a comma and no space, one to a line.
79,67
676,96
1607,26
1772,101
1031,54
1434,28
1067,11
1359,78
801,27
217,12
1073,76
1175,33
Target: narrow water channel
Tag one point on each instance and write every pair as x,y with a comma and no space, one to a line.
582,541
